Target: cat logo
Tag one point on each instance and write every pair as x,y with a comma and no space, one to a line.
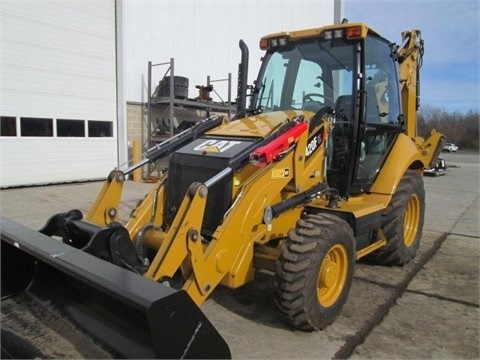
216,146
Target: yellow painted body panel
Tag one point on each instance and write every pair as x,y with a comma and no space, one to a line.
228,257
255,126
150,211
105,208
409,56
316,32
359,206
404,155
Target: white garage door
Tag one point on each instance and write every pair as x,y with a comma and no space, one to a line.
57,91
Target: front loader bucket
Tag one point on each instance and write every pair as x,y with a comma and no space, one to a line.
130,316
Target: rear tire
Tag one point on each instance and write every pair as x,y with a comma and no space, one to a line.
315,271
402,222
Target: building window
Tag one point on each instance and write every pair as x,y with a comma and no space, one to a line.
70,128
8,126
36,127
100,129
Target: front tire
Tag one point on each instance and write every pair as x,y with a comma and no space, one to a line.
315,271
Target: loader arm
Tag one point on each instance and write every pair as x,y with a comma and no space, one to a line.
148,213
228,257
105,208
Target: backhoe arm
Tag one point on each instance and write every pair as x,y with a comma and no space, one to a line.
410,59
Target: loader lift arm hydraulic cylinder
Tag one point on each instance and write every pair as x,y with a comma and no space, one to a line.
105,208
170,145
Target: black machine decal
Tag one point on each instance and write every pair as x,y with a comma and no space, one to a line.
314,143
215,147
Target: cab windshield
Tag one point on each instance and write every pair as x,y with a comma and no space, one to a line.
306,76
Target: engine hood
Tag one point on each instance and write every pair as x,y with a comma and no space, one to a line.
258,126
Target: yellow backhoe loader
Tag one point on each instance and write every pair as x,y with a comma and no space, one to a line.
324,167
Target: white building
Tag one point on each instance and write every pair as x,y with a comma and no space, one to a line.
68,69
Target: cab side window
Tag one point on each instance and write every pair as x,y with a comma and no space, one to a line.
381,85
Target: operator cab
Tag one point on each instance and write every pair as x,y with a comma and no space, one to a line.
349,71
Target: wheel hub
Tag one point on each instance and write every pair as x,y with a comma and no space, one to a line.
332,275
411,221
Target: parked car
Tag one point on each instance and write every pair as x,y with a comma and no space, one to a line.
450,147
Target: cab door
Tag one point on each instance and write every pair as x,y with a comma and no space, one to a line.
380,122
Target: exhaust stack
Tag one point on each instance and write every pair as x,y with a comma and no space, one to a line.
242,81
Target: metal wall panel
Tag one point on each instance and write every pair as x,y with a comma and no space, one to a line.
202,36
58,61
27,161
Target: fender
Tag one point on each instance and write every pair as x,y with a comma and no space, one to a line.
404,155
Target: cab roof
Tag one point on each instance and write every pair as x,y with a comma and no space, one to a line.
363,29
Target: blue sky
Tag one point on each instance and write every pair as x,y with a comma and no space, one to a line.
451,30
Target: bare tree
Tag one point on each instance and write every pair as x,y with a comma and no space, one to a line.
461,129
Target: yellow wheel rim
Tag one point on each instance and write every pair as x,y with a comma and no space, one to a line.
332,275
412,219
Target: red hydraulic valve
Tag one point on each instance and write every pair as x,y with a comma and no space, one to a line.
269,152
